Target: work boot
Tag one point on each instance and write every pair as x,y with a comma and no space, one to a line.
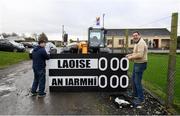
42,94
138,103
34,93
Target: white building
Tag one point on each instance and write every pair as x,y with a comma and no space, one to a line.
154,37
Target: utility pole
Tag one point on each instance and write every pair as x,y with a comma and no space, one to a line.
126,46
63,34
172,61
62,31
103,19
113,44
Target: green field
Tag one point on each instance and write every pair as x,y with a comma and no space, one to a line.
155,77
9,58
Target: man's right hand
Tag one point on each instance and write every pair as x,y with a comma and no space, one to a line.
128,55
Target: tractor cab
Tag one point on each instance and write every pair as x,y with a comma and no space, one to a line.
97,40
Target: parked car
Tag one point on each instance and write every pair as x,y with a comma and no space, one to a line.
70,48
50,49
34,44
11,45
27,44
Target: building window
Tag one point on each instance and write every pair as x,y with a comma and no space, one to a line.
146,40
109,41
132,41
121,41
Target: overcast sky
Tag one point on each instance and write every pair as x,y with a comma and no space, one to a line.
29,16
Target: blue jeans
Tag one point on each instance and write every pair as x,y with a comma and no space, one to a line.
39,80
138,70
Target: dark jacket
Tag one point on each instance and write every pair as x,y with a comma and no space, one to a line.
39,57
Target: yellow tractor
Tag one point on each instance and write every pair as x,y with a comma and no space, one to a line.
96,43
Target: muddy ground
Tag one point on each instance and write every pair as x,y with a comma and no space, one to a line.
15,98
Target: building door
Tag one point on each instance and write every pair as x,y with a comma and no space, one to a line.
156,43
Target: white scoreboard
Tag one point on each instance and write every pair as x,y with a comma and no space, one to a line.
91,72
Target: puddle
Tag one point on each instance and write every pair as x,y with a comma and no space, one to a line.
6,89
10,75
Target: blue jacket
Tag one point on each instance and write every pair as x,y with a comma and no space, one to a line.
39,57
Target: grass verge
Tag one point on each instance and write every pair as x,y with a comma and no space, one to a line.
155,77
9,58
